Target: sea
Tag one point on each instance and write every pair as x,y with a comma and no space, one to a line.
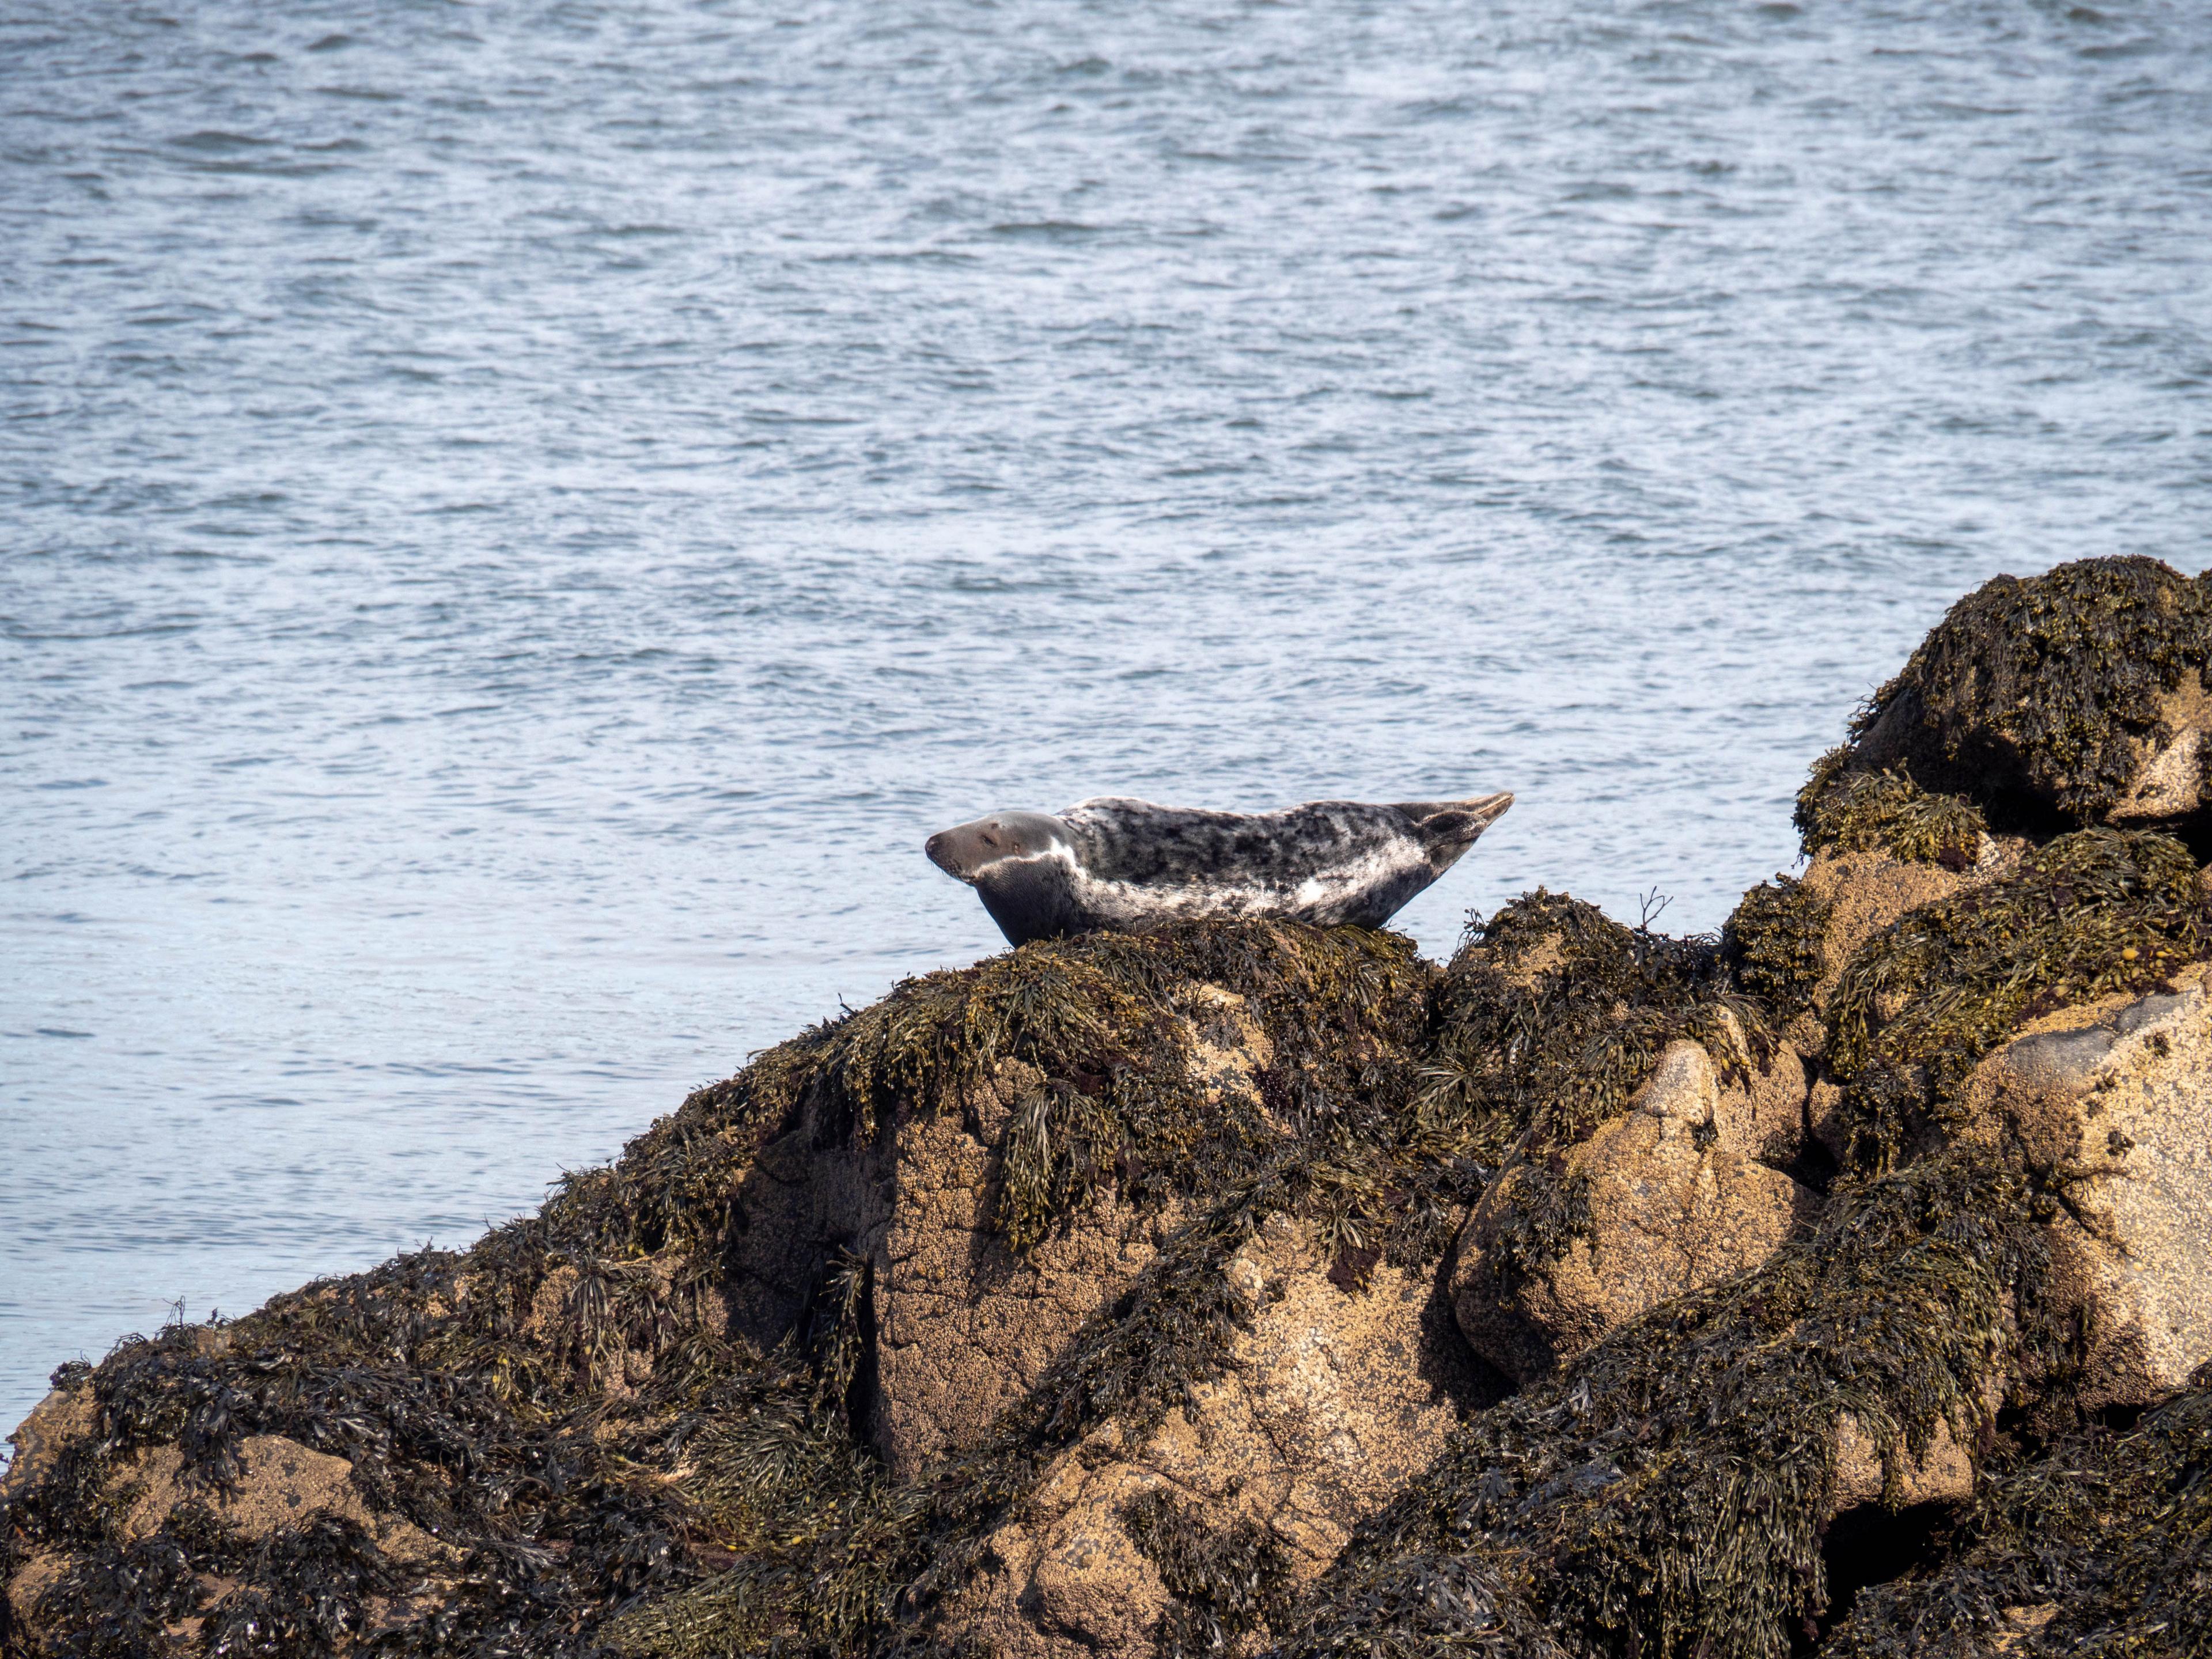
516,519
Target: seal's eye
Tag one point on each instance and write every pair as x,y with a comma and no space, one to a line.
987,838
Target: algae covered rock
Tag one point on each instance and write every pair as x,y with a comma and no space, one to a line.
2119,1094
2102,1544
679,1374
1187,1534
1671,1198
1670,1489
2079,695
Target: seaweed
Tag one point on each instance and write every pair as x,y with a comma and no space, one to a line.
2036,695
1774,944
120,1601
2102,1544
1551,1209
2088,913
1225,1580
1886,811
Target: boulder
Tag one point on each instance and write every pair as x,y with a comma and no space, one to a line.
2079,695
1861,895
1665,1200
278,1488
963,1325
1335,1401
1944,1474
66,1418
2119,1095
280,1485
59,1421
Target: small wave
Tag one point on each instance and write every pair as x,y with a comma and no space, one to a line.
215,142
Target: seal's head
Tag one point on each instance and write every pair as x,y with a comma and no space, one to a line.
1020,864
968,851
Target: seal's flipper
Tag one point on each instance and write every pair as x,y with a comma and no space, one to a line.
1449,828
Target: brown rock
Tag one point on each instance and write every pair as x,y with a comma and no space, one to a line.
1336,1402
964,1326
1675,1200
1867,893
65,1416
2117,1090
33,1579
2020,1626
2169,778
1945,1474
282,1485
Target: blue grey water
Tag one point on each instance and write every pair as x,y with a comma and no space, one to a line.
518,520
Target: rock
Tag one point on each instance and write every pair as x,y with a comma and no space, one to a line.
1668,1198
2080,693
1865,895
926,1329
1335,1400
964,1326
63,1419
2119,1091
57,1422
2168,780
1944,1475
282,1485
40,1572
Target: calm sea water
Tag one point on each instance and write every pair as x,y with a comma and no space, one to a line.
518,519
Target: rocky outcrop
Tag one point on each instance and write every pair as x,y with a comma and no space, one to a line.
1669,1198
964,1326
1331,1402
1860,896
274,1490
1248,1287
2079,694
2115,1098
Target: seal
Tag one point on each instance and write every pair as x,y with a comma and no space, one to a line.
1118,865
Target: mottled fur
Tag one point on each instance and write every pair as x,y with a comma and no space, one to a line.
1120,865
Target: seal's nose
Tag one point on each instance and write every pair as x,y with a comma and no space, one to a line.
935,848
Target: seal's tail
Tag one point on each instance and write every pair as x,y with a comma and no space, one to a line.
1449,828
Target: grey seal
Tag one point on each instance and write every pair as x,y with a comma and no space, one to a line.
1119,865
